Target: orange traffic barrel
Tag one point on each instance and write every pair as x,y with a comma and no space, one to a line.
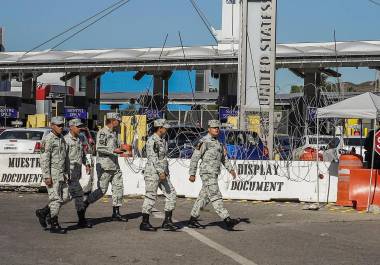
346,163
128,148
360,188
310,154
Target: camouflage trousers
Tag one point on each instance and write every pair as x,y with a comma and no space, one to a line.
152,183
210,193
58,196
76,191
105,177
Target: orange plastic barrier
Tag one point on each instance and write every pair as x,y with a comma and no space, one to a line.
310,154
346,164
359,188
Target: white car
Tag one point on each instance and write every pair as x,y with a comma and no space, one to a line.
323,142
22,140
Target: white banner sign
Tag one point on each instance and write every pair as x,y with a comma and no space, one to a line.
257,180
20,170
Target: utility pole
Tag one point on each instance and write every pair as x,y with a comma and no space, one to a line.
2,48
242,61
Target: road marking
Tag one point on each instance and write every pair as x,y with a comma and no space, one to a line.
223,250
207,241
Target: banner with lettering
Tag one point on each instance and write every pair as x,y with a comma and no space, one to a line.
75,113
225,112
8,113
20,170
24,170
266,180
257,56
256,180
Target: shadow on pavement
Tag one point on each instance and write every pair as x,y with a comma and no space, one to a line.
100,220
222,225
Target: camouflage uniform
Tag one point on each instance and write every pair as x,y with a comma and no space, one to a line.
77,157
55,164
156,149
107,167
212,153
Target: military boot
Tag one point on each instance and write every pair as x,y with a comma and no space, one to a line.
116,216
168,222
193,223
42,215
230,222
48,218
85,204
55,227
145,224
82,222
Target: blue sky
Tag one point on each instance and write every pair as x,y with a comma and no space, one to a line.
144,23
115,82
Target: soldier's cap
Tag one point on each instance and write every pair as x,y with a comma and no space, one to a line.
113,115
214,124
58,120
75,122
161,123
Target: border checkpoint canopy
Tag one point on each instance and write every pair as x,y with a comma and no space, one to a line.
364,106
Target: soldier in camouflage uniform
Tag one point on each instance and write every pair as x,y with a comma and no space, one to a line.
55,169
77,157
212,154
157,176
108,169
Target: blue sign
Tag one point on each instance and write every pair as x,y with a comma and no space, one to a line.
225,112
8,113
71,113
5,85
151,114
230,2
311,114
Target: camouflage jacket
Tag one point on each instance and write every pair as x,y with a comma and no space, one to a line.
106,143
77,155
157,154
212,154
54,157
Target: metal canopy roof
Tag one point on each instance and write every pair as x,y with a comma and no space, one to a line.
299,55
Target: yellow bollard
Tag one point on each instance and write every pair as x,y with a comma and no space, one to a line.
41,120
141,130
127,130
31,122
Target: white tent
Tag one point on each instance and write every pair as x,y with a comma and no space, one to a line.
364,106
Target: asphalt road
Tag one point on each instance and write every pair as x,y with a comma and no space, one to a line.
279,233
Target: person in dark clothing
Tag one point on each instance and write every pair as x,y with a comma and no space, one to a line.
368,146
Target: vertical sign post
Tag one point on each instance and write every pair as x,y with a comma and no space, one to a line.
257,61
